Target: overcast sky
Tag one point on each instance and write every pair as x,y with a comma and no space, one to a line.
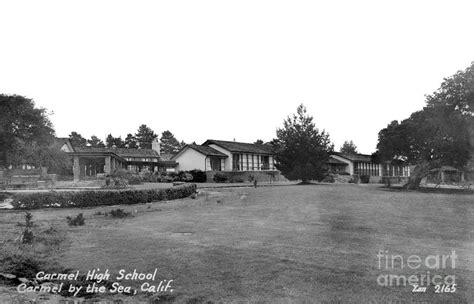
231,69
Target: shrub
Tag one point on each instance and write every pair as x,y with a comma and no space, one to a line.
115,183
364,179
134,180
76,221
185,176
151,177
125,175
4,196
68,199
343,173
198,176
328,179
167,179
237,179
220,177
172,174
28,220
27,235
120,173
22,265
120,213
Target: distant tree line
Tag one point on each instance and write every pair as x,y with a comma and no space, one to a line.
143,139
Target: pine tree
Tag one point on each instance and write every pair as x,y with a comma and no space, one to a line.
301,150
169,143
145,136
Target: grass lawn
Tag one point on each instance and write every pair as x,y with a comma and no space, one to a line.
286,244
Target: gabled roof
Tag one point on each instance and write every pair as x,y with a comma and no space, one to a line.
65,141
355,157
234,146
205,150
334,161
136,152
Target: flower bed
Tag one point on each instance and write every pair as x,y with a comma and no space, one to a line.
78,199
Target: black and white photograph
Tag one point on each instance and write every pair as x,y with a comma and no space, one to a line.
236,151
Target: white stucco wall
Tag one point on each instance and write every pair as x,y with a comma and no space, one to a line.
350,165
228,161
66,148
190,159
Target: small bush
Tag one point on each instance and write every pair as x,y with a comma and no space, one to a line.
115,183
76,221
27,235
121,176
4,196
172,174
151,177
185,176
119,213
328,179
134,180
22,265
220,177
198,176
364,179
167,179
28,220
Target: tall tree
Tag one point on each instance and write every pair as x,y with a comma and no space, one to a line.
131,141
456,92
169,143
301,149
429,138
77,140
96,142
348,147
24,130
145,136
438,134
116,142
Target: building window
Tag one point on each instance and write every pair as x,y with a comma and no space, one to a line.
236,162
216,164
265,162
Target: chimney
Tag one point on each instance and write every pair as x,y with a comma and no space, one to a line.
155,145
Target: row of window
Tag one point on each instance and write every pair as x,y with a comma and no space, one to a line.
143,159
366,169
251,162
372,169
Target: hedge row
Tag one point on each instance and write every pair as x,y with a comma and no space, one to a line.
70,199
